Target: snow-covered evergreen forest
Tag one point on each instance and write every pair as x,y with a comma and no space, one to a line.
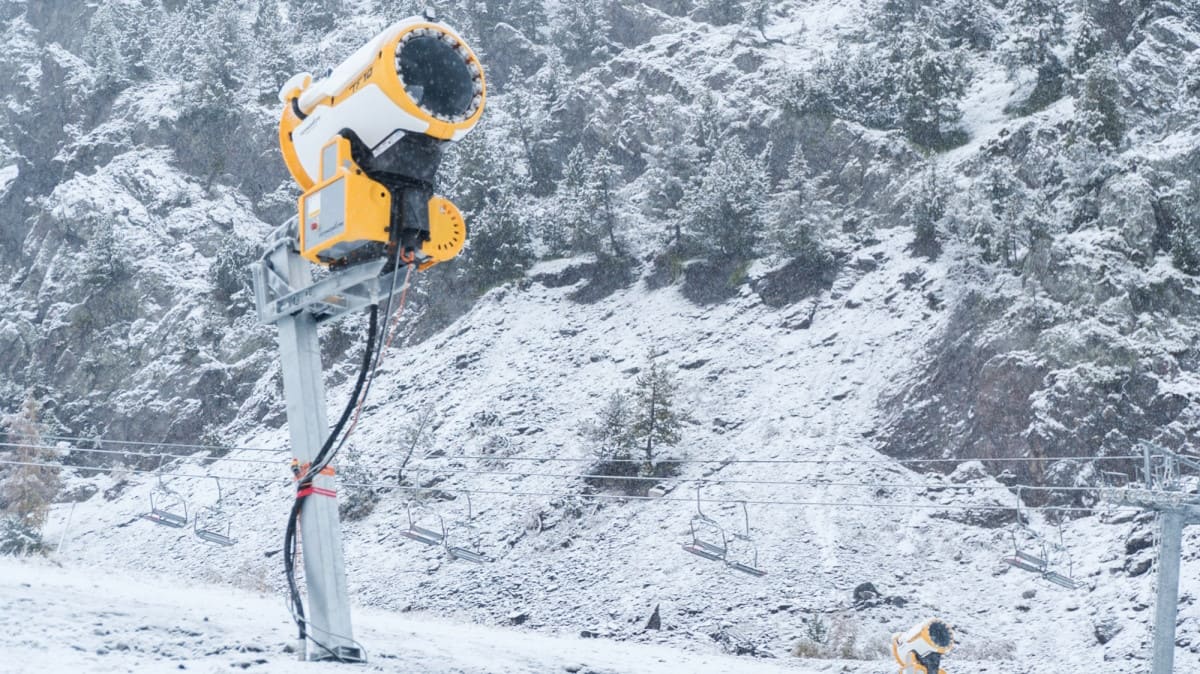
845,230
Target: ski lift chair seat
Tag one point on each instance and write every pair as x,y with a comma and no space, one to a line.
210,533
704,548
424,534
160,514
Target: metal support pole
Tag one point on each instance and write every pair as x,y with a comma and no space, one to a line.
1169,555
321,536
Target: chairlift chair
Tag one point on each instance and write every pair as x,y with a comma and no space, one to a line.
458,552
1023,559
752,567
706,546
167,515
1066,580
213,516
165,509
424,534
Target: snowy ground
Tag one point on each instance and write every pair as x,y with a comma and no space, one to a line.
63,619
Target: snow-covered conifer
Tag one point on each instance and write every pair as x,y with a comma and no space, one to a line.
796,214
723,216
582,29
1098,112
657,422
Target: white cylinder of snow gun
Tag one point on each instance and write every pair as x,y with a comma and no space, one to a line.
920,650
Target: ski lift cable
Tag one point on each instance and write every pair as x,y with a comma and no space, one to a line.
611,497
712,480
579,460
786,461
468,457
131,452
142,443
630,478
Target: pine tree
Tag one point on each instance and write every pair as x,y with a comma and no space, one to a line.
925,211
582,28
758,12
105,46
892,15
1185,237
1087,43
794,216
1038,32
602,178
1001,201
27,490
612,434
724,214
1098,115
1185,246
722,12
274,62
1115,18
494,195
1039,28
930,86
577,219
319,16
708,128
656,422
229,273
970,23
530,111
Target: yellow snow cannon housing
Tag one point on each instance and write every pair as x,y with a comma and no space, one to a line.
920,650
365,143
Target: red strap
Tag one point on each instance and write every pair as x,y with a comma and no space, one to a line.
319,491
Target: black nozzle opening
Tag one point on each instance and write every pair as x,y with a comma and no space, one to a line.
939,634
436,76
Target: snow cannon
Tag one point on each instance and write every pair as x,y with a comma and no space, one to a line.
365,141
920,650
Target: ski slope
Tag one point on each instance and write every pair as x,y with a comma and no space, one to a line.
69,619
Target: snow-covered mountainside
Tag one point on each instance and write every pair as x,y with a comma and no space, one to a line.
860,236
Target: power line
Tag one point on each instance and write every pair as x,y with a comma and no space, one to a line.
626,478
549,494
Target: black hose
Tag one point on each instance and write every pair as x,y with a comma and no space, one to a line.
364,373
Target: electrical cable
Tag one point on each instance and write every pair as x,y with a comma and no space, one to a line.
381,349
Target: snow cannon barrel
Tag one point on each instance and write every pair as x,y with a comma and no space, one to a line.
365,142
920,650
